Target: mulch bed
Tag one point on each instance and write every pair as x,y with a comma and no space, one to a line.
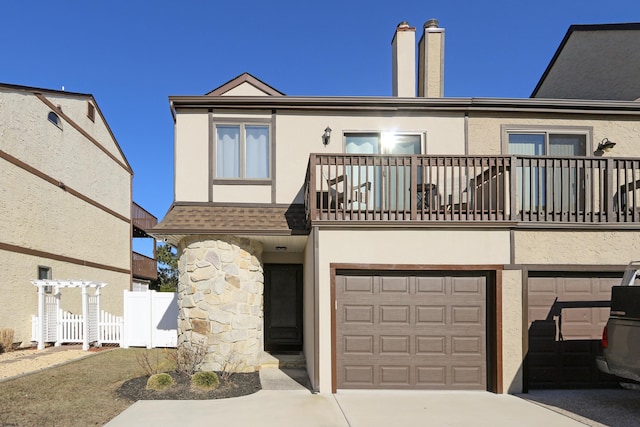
240,384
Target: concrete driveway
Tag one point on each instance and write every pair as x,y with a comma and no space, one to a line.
285,400
348,408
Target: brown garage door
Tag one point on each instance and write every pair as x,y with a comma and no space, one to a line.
566,317
411,332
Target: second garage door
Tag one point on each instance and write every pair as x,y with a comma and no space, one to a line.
411,332
566,316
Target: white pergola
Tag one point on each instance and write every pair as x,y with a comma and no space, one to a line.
57,285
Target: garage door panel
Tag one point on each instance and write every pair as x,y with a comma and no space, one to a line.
467,315
431,315
358,345
431,346
396,345
358,314
358,285
565,327
431,377
394,284
430,285
395,376
426,332
394,314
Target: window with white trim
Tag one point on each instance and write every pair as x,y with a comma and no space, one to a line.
243,151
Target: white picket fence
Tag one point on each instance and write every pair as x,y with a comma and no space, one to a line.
150,320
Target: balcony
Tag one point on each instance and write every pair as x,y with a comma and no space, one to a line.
144,267
142,220
565,191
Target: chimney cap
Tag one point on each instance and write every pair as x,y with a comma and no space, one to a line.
431,23
403,24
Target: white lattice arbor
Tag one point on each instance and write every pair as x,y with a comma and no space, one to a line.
90,309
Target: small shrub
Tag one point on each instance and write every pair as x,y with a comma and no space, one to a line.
205,380
188,357
232,364
6,340
150,362
159,382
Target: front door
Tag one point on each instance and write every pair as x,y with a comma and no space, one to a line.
283,307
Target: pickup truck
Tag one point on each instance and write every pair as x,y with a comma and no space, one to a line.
621,335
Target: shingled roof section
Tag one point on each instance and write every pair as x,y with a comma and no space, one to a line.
207,218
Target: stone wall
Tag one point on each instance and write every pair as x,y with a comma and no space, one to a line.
220,300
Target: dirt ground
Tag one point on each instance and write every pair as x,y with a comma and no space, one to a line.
19,362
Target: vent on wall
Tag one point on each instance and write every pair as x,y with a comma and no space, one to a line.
91,111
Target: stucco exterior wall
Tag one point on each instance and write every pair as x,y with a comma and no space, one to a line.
576,247
39,216
485,131
309,295
191,156
512,317
419,247
76,108
20,297
64,154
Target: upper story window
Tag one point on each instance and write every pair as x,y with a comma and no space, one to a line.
551,142
53,118
383,143
242,151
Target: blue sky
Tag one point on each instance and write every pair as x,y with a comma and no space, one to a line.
131,55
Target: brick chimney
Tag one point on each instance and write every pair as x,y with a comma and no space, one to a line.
431,61
404,60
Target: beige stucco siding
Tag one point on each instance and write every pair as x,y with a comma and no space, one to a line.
576,247
309,296
40,216
64,154
76,108
17,271
192,157
485,131
417,247
512,317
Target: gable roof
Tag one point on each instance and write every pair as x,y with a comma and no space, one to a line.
598,61
41,92
245,79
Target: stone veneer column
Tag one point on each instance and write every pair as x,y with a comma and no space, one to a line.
220,300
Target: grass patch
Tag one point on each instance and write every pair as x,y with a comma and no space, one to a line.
82,393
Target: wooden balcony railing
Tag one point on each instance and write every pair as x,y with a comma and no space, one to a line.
472,188
141,218
144,267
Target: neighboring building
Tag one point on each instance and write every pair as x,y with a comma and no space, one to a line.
65,202
594,62
403,242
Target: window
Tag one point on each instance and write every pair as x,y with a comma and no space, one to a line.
547,143
388,185
385,143
44,273
549,186
242,151
91,111
53,118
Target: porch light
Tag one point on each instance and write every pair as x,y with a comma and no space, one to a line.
281,248
326,136
606,145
